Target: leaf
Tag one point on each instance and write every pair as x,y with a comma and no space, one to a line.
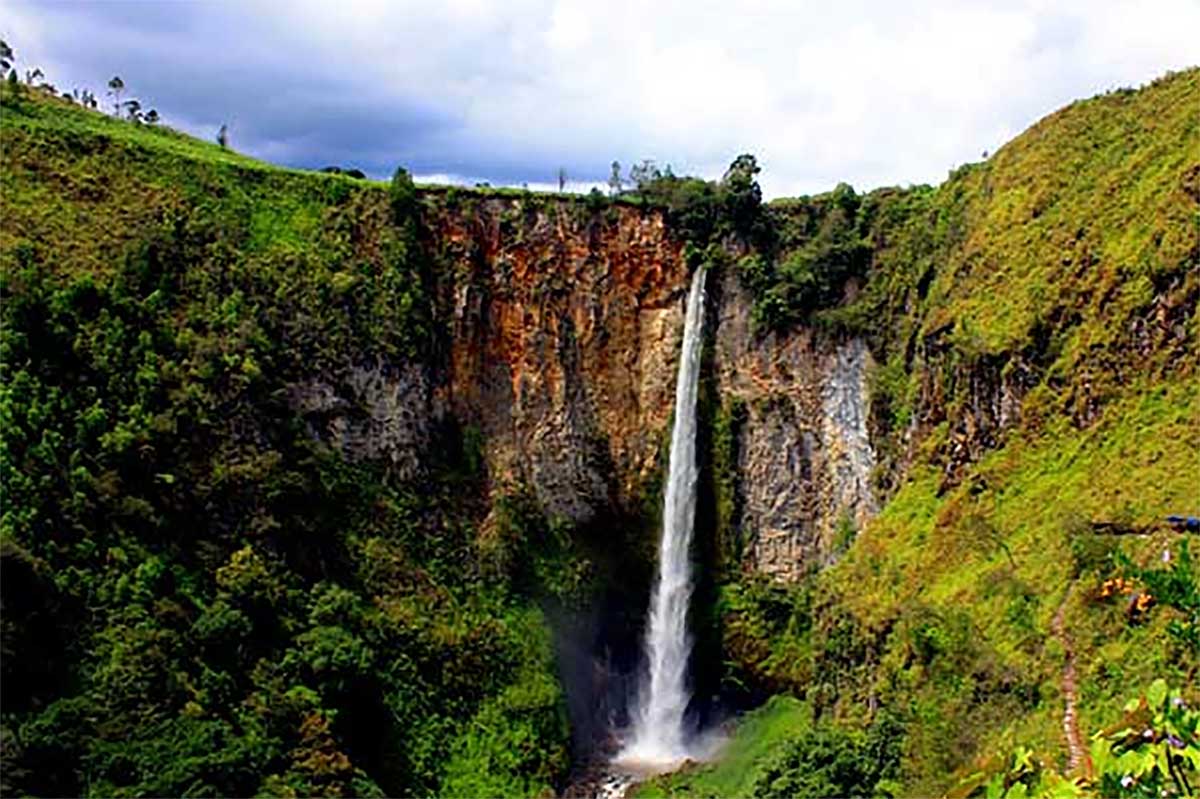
1022,759
1128,762
1148,761
1018,791
1067,789
1161,759
1157,693
1056,787
1101,752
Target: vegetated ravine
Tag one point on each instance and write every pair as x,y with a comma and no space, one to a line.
314,485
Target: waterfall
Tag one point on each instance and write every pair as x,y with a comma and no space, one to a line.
658,735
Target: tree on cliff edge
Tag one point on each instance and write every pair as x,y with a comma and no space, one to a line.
614,180
743,197
403,196
115,87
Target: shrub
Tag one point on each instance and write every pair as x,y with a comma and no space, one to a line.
402,193
828,761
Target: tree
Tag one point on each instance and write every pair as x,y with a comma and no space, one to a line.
741,173
133,110
6,57
223,136
824,761
33,74
115,87
643,174
562,179
84,97
614,180
743,197
403,196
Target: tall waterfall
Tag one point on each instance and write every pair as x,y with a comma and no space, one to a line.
658,730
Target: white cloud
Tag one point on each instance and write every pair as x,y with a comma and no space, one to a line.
868,91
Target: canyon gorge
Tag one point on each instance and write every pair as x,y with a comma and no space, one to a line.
356,488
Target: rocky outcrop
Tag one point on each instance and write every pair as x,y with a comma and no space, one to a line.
844,407
980,400
805,456
562,342
564,335
375,413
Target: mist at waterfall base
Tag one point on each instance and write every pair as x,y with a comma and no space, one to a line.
659,737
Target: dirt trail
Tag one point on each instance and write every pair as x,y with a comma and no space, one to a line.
1070,723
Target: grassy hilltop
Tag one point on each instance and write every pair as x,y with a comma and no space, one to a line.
199,599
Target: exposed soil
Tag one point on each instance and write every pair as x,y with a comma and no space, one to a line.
1070,722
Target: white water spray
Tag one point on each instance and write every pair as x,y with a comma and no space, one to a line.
659,737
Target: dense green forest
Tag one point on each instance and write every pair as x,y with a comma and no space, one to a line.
202,598
199,599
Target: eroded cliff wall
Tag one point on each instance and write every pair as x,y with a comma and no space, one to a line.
562,330
805,458
563,338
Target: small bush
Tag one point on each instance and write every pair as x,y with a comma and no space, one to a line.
402,194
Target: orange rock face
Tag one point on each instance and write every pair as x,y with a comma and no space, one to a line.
564,334
564,339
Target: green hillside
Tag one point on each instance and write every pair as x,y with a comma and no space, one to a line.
199,599
1066,269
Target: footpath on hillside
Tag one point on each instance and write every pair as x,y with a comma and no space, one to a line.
1070,722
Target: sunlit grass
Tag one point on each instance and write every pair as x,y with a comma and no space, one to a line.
756,737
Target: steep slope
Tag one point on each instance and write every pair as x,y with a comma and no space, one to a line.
240,532
1034,321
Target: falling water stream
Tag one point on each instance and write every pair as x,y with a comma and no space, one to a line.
659,739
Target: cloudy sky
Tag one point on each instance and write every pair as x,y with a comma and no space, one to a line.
874,92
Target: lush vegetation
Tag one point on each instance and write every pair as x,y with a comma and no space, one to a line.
1152,751
200,598
779,751
1064,272
820,248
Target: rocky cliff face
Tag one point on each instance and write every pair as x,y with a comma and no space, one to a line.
374,413
805,456
563,336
